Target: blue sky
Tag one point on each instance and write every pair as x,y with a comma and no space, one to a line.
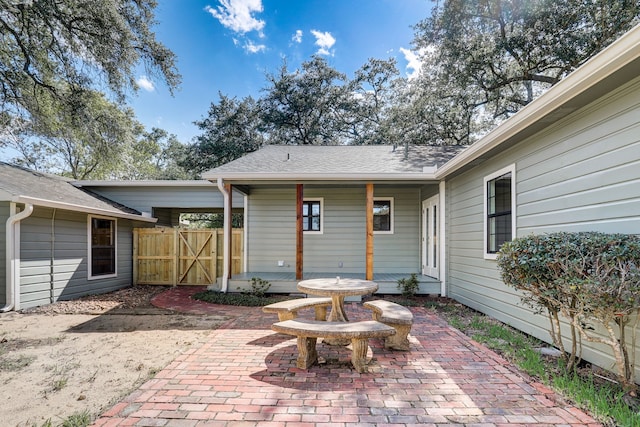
228,46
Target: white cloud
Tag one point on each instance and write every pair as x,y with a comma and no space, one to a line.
251,47
414,64
145,84
237,15
325,41
297,37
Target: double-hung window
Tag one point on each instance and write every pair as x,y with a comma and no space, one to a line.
383,215
102,247
499,196
312,216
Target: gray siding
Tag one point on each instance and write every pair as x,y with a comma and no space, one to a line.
580,174
145,198
341,246
4,214
54,254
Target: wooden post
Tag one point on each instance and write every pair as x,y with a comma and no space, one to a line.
299,231
229,221
369,250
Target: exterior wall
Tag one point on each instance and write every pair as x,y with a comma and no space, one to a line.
580,174
271,231
145,198
4,214
54,252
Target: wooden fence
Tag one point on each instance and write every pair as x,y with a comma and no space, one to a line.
176,256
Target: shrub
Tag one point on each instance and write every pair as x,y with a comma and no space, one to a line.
410,286
587,277
259,287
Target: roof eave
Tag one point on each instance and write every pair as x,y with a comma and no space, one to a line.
80,208
147,183
619,55
284,177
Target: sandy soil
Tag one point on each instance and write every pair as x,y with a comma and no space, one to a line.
55,362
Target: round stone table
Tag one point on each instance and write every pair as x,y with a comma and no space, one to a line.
337,289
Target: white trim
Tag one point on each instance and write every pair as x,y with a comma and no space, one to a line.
79,208
90,275
443,241
509,169
432,204
391,220
242,177
245,225
321,200
148,183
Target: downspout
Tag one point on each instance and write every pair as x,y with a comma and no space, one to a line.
12,246
226,233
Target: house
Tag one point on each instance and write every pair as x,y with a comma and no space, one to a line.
63,239
569,161
61,242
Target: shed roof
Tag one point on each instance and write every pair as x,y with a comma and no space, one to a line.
21,185
339,162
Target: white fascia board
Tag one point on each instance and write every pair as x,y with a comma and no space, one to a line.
148,183
230,176
615,57
79,208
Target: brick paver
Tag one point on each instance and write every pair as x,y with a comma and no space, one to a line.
245,375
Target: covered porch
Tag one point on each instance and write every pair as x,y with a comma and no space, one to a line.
285,282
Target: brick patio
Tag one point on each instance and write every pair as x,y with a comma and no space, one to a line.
245,375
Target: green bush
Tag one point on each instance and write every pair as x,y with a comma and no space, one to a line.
586,277
409,286
259,287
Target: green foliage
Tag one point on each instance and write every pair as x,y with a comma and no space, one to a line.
232,129
587,277
259,287
482,61
207,220
50,44
236,299
409,286
606,400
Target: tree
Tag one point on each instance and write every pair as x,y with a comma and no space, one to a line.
84,137
232,129
154,155
307,106
76,44
486,59
372,89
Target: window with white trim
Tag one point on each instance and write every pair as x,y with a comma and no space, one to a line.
313,216
102,247
499,210
383,215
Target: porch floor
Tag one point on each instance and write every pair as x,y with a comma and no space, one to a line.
285,282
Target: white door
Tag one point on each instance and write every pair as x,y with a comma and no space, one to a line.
430,226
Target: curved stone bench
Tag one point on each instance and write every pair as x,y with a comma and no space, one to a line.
396,316
308,332
288,309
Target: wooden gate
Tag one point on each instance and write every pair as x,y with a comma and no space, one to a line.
177,256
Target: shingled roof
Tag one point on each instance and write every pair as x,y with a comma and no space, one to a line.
21,185
342,161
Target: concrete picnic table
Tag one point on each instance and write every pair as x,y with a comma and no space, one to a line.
337,289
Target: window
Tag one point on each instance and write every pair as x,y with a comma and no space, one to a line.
312,216
499,210
383,215
102,249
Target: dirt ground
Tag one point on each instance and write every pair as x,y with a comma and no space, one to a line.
85,355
